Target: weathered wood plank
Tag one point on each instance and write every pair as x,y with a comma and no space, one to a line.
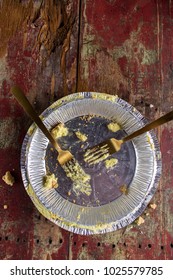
126,49
39,53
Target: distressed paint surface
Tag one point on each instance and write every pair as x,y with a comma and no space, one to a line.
22,62
123,49
118,47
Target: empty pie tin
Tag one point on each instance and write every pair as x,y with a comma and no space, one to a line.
105,207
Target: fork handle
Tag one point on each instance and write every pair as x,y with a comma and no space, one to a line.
164,119
23,101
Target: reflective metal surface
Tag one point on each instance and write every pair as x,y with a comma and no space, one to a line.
106,208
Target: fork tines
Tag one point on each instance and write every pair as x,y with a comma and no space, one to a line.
97,154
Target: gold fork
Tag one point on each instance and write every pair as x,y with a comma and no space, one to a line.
64,156
112,145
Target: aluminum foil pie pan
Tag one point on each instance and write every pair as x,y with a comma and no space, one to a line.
105,208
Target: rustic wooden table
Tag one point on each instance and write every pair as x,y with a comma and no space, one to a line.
54,48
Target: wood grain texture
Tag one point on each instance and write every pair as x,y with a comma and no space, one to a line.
45,68
125,49
117,47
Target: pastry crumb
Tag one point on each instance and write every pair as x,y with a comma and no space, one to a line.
50,181
150,142
81,180
124,189
69,193
81,136
31,129
8,178
59,131
113,127
109,163
139,221
87,117
153,205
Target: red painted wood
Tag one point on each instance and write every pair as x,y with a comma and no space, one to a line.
24,233
126,49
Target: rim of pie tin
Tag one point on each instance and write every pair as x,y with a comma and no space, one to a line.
111,216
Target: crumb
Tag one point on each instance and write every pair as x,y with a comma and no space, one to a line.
113,127
139,221
81,136
81,180
5,206
98,202
31,129
129,227
69,193
8,178
153,206
158,156
150,142
50,181
109,163
124,189
87,117
78,217
59,131
79,214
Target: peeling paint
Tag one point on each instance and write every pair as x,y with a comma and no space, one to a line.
88,49
50,234
102,66
134,50
84,255
100,62
9,134
106,68
149,57
109,72
71,76
3,70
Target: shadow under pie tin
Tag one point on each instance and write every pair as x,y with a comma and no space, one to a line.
100,206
